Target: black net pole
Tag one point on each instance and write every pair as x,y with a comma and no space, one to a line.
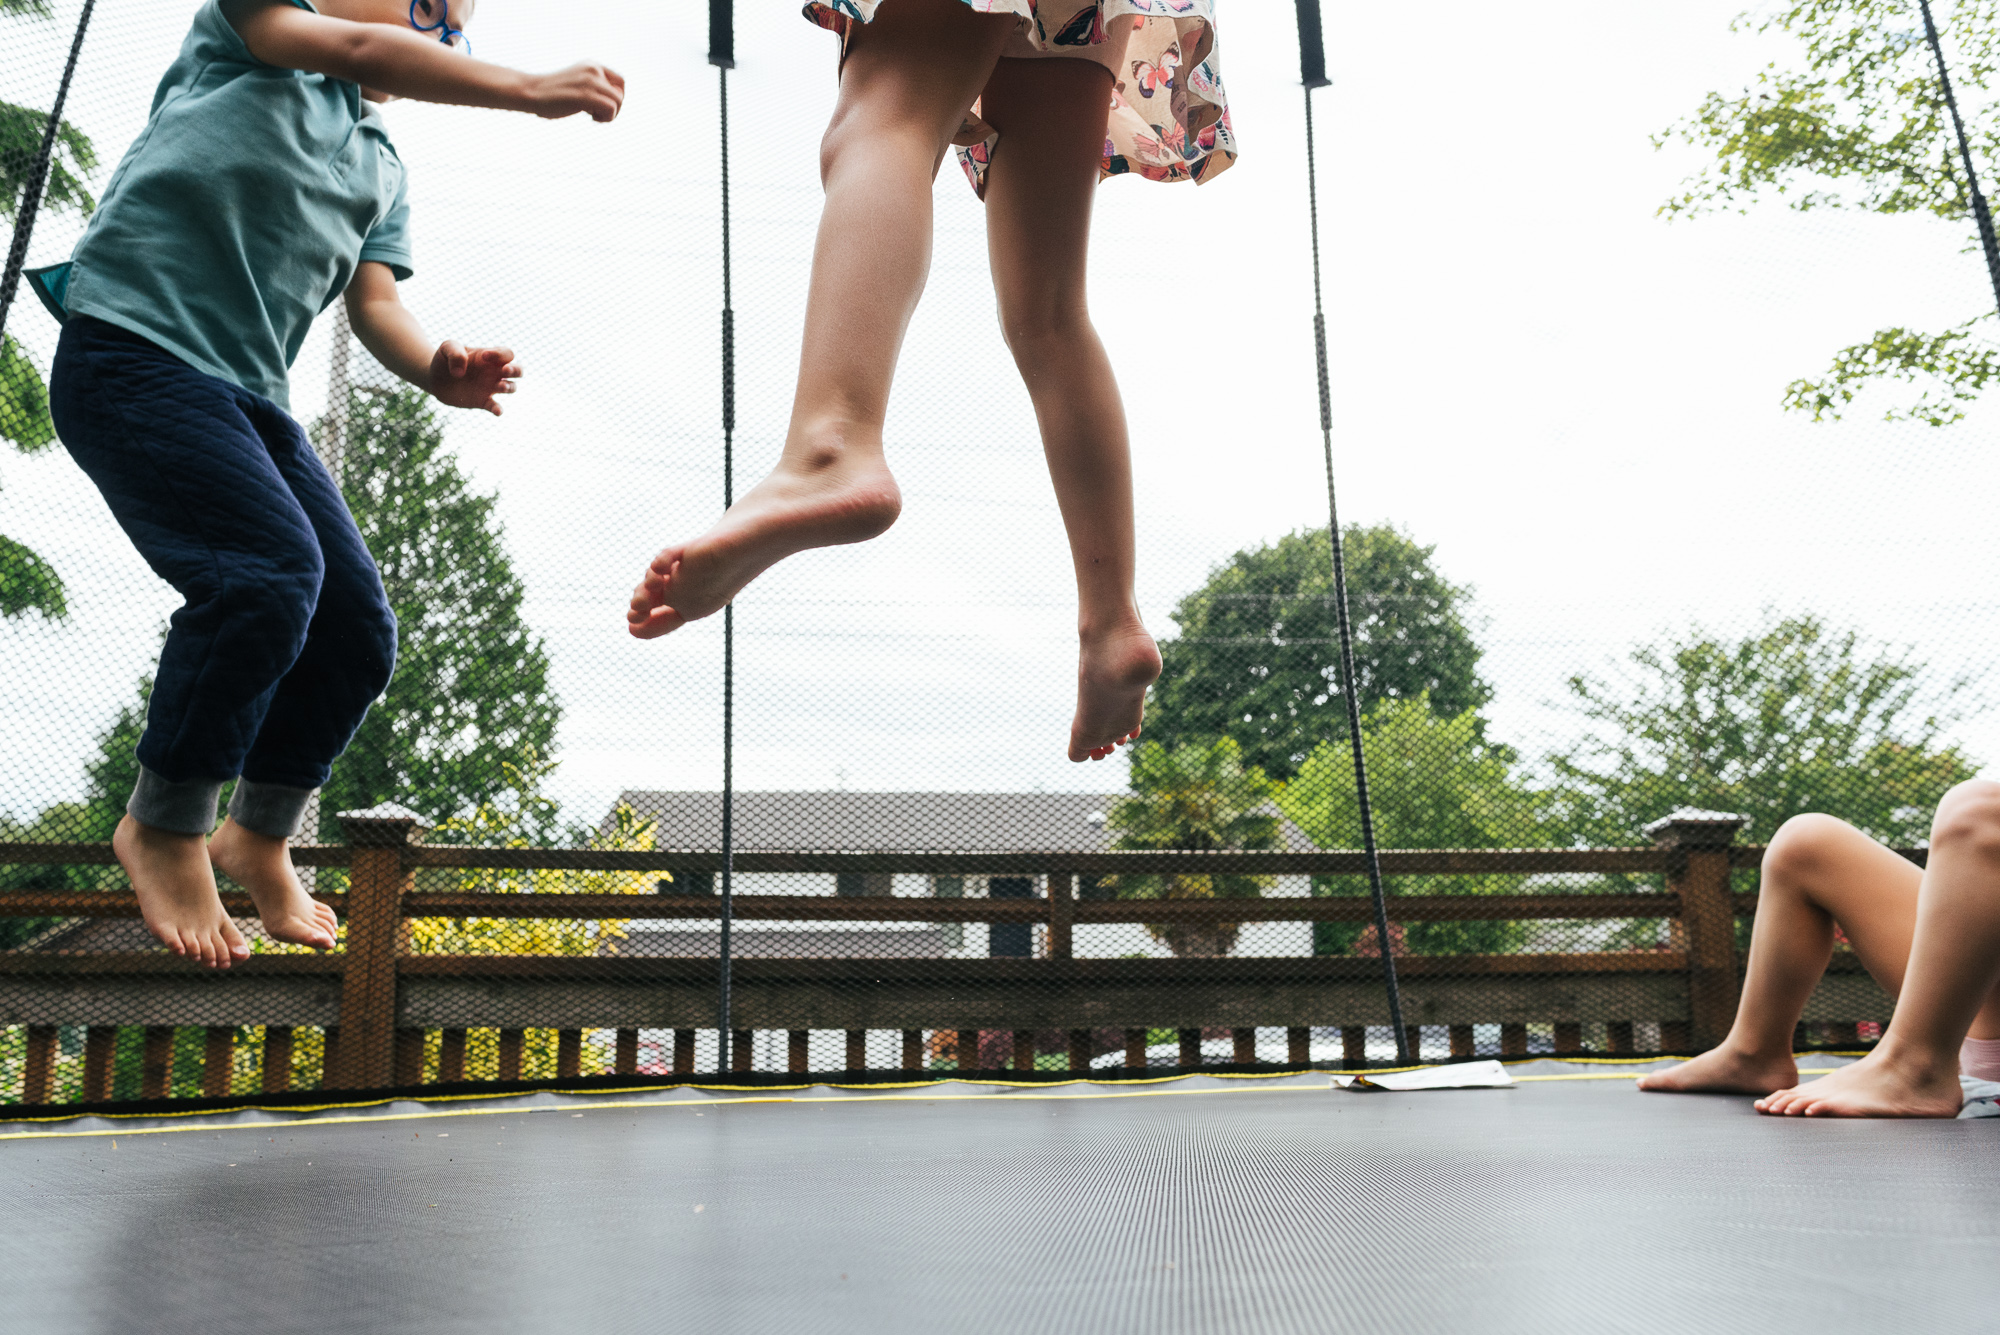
1312,70
1980,213
30,202
722,55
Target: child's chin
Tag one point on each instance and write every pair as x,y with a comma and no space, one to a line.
375,95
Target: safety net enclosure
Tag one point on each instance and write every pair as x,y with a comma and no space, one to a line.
1656,394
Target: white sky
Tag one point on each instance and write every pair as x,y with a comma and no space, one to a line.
1575,400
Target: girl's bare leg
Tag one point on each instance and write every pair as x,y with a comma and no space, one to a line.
1817,872
1050,115
1950,986
909,78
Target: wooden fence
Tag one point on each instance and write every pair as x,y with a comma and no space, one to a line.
376,1002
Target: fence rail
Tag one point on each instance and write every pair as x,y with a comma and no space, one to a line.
376,1002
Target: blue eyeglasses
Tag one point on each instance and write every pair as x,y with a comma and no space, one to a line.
447,34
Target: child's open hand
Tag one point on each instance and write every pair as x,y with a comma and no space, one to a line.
470,377
593,89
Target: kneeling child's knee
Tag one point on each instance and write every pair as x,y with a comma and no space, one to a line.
1802,844
1968,819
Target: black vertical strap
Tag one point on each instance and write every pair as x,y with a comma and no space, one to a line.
1980,214
722,54
722,34
1312,47
1312,59
38,174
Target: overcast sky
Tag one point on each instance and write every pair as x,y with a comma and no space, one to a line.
1575,400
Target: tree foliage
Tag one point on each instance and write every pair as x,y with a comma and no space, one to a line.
73,159
28,583
1794,717
1861,123
1199,796
1257,656
1432,783
471,692
519,817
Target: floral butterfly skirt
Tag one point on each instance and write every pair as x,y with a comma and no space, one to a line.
1169,116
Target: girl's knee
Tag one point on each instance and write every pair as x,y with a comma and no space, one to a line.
882,123
1968,820
1044,324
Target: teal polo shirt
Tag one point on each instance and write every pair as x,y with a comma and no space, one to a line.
240,212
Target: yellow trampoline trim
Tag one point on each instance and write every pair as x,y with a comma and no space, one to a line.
611,1104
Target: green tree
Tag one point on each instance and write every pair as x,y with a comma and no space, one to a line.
1257,656
28,583
1201,796
471,691
1794,717
1432,783
1861,123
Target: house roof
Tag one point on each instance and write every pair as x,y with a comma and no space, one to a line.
840,821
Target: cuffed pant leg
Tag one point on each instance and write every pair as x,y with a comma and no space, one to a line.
270,809
183,808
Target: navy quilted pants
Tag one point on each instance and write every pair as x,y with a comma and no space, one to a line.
285,637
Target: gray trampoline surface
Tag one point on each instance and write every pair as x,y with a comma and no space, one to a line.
1552,1206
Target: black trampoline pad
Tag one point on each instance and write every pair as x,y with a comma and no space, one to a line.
1549,1207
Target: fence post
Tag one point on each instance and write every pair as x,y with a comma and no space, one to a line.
376,885
156,1070
100,1054
1700,875
276,1075
218,1061
38,1082
1062,913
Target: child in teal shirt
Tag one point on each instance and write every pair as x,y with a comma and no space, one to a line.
263,187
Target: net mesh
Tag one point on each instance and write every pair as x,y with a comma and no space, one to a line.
1604,567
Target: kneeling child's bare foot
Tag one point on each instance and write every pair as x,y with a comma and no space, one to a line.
176,888
1878,1085
263,866
1112,673
1725,1071
851,498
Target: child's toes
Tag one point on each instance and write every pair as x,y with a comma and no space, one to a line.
233,942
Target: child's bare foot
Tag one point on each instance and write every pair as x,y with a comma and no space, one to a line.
850,497
261,865
176,888
1876,1086
1725,1071
1112,673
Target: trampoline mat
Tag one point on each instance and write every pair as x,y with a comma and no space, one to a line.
1198,1207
